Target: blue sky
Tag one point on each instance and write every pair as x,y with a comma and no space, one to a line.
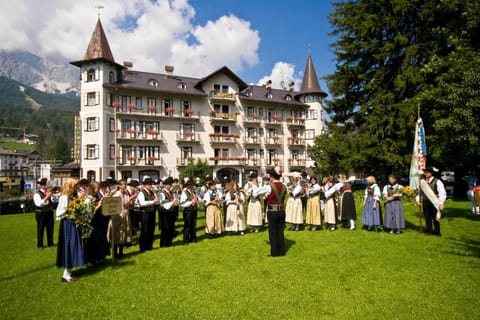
286,28
258,40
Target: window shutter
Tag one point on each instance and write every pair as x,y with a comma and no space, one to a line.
85,99
97,98
97,74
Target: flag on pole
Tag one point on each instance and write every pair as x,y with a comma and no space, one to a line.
419,154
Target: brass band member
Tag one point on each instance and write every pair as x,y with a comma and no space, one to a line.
43,213
167,213
189,203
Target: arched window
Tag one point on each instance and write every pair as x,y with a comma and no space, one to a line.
92,75
153,83
111,77
182,85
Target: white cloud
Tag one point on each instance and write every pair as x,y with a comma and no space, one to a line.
158,33
282,72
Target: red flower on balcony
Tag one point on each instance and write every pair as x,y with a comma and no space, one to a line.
117,158
236,135
152,158
213,112
118,130
131,158
189,134
152,132
276,117
254,116
151,108
131,131
131,106
170,110
116,104
275,159
188,111
290,160
290,118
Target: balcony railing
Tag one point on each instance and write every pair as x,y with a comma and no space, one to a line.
224,137
274,140
191,137
132,134
252,139
224,161
273,162
296,141
295,121
252,118
221,95
168,112
296,162
253,162
223,116
135,161
186,161
273,120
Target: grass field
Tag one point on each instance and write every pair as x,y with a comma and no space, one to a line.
324,275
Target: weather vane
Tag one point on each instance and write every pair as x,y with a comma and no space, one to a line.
99,7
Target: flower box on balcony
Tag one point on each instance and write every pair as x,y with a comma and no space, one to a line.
253,116
276,160
151,158
275,138
190,159
188,111
290,160
169,110
116,104
131,107
117,158
152,132
151,108
276,117
131,159
131,131
290,118
189,134
213,112
118,130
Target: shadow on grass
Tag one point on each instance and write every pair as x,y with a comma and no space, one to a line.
108,263
465,247
288,244
26,272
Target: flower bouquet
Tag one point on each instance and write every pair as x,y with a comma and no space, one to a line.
82,211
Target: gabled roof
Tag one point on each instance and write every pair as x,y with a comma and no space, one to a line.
241,84
269,95
98,48
310,83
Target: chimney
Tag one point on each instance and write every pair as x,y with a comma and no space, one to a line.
169,70
128,64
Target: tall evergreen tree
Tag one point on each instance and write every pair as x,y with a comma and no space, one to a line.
394,57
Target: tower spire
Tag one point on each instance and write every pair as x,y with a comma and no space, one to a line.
310,84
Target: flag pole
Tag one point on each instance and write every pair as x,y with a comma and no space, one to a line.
420,198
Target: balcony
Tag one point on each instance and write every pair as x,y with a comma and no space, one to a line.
129,161
296,163
154,111
274,140
132,134
252,162
295,121
254,139
221,96
219,137
296,141
188,137
274,120
252,119
182,162
274,162
226,161
219,116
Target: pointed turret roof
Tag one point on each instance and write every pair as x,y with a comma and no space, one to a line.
310,83
98,47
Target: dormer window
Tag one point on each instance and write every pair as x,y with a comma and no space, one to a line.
269,95
288,97
182,86
153,83
249,93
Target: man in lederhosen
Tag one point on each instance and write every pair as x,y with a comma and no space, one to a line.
43,213
274,200
167,213
429,210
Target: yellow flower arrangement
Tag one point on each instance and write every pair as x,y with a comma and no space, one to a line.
82,212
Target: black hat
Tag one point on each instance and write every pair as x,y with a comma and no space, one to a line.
187,181
104,184
208,177
275,172
42,181
252,174
431,169
132,182
83,181
147,180
169,180
111,181
304,174
226,179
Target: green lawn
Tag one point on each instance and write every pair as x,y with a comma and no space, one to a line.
325,275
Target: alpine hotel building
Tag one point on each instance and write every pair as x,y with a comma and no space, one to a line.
135,124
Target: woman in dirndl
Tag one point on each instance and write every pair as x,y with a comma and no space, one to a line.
119,227
213,215
313,218
254,209
69,250
372,216
294,208
234,200
348,213
394,216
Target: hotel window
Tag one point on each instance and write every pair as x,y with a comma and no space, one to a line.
92,98
251,154
221,129
182,86
111,125
187,130
126,100
108,99
92,124
111,77
251,132
250,111
112,151
138,103
91,151
186,153
167,103
309,134
152,102
220,108
312,114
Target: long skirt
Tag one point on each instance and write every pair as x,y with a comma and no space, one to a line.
213,220
348,210
121,228
97,247
294,211
330,211
394,216
254,213
69,249
235,219
370,216
313,211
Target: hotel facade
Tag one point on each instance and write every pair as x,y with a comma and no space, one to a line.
134,124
